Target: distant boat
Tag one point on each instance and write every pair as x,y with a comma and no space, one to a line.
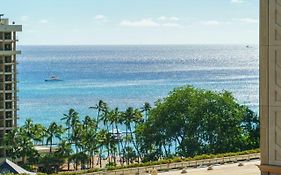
247,46
53,78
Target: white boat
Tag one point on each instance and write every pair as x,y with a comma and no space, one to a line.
53,78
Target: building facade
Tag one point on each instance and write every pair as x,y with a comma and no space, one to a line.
8,78
270,86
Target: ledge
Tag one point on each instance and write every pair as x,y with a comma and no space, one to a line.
10,52
10,28
270,168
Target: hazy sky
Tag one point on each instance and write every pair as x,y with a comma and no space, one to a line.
58,22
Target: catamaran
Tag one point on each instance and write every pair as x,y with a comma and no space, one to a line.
53,78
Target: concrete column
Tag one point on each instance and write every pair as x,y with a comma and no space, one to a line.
270,86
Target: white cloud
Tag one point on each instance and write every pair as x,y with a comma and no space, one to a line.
150,22
246,20
43,21
165,18
171,25
139,23
24,18
211,22
100,18
237,1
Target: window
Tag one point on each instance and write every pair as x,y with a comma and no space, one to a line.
8,86
9,114
8,68
8,59
8,105
8,96
9,123
7,36
8,46
8,77
1,115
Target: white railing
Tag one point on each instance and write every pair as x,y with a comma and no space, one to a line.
179,165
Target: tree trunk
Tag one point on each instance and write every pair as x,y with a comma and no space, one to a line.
100,156
51,143
134,142
68,164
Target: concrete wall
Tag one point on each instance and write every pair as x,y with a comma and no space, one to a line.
270,86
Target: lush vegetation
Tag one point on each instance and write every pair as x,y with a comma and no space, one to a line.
187,123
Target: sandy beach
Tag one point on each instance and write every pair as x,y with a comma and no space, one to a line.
249,168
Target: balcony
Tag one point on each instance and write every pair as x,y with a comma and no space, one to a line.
9,105
8,59
8,78
2,109
7,39
9,123
9,28
8,96
8,69
12,52
7,36
9,114
8,49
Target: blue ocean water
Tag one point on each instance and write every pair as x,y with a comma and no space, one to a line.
128,75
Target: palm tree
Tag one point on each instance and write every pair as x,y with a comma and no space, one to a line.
146,108
89,140
89,122
101,143
65,150
77,135
53,131
25,145
100,107
73,126
115,120
103,138
70,120
104,117
132,116
19,144
28,127
38,133
10,143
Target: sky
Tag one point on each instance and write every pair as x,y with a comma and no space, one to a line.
114,22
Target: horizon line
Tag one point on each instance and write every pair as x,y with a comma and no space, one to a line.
138,44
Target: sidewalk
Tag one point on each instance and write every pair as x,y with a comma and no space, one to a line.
249,168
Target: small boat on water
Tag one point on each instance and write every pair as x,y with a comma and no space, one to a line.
53,78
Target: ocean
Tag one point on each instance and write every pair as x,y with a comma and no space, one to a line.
128,76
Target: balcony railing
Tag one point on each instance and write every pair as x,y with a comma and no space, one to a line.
7,46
